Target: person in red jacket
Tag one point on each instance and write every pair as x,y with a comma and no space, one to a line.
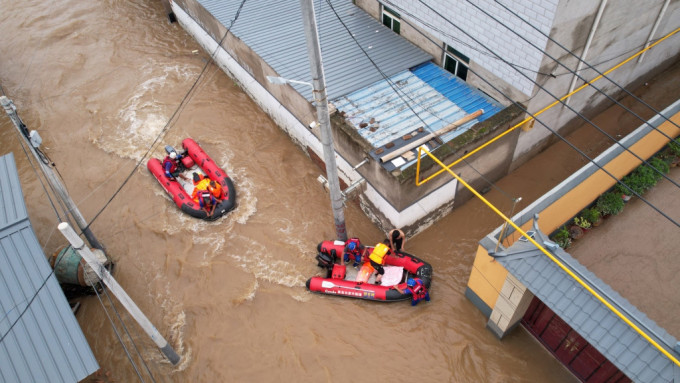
417,290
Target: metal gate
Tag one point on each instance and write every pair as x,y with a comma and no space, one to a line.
569,347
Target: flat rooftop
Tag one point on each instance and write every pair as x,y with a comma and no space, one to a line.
637,253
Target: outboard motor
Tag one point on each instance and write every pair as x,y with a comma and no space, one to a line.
325,261
169,149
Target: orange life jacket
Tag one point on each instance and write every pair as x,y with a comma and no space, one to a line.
216,191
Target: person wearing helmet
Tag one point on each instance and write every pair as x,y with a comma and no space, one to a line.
353,251
416,288
173,166
377,258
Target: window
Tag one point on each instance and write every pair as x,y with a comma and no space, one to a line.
456,62
391,19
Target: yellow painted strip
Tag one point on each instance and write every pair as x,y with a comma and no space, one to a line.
456,162
552,258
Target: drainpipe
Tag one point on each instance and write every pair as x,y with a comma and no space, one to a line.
656,25
585,50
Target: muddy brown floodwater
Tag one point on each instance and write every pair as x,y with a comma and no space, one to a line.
100,80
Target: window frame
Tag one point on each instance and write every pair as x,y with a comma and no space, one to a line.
461,62
393,17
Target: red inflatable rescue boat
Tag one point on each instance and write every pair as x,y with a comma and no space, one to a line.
346,281
195,160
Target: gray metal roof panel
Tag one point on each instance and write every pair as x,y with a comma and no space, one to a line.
346,67
599,326
45,342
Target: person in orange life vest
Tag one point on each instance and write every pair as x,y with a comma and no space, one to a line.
173,166
197,178
397,240
417,290
215,189
353,250
377,259
200,184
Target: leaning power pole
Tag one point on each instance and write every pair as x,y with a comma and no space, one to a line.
321,101
33,140
118,291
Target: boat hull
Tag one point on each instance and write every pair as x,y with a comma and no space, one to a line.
181,198
340,285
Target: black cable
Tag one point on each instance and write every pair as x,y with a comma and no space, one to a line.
591,67
446,34
115,330
35,295
56,212
592,86
185,100
120,319
580,115
399,93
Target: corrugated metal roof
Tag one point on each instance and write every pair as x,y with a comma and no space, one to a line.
274,30
604,330
426,96
46,344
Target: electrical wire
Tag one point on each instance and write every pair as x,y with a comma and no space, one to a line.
401,94
187,97
115,330
453,38
644,121
28,305
566,141
122,322
590,67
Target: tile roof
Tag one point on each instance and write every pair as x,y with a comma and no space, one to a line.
612,337
45,344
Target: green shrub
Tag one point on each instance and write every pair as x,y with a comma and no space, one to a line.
591,215
660,165
582,222
562,237
610,203
674,148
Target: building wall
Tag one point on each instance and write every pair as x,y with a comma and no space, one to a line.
569,23
389,199
565,201
617,36
466,28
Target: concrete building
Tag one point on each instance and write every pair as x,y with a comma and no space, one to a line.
385,95
391,92
524,51
40,337
594,330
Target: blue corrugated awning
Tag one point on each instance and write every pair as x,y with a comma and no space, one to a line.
426,96
42,341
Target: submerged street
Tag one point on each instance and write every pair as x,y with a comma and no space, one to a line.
101,80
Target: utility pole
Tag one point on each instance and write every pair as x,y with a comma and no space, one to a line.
321,101
33,140
118,291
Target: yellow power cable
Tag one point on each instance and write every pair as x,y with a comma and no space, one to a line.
552,258
588,83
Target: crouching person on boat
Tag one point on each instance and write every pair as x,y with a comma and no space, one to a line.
377,259
172,165
353,251
202,195
216,190
417,290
